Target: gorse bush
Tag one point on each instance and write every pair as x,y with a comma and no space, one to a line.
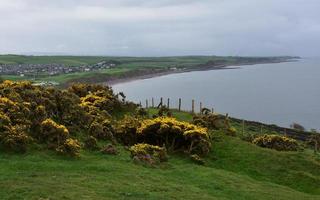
175,135
148,154
277,142
102,130
126,130
214,121
70,147
52,133
51,116
164,131
91,143
15,139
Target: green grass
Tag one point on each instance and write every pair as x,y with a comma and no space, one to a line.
234,169
125,64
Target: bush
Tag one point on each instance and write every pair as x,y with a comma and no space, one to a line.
52,133
231,131
215,122
148,154
277,142
314,140
15,139
102,130
70,147
50,115
126,130
175,135
91,143
109,149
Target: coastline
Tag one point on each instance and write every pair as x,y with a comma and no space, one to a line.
152,74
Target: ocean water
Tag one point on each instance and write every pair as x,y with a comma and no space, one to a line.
280,93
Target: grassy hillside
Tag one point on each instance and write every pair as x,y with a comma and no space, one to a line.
86,142
234,170
126,67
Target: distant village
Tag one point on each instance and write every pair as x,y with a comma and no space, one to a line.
51,69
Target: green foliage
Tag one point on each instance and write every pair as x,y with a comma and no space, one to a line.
314,140
51,116
175,135
277,142
15,139
109,149
91,143
148,154
52,133
102,130
70,147
126,130
214,121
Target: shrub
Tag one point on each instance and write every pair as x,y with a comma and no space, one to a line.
91,143
102,130
51,115
148,154
70,147
175,135
277,142
314,140
215,122
231,131
52,133
109,149
141,112
15,139
126,130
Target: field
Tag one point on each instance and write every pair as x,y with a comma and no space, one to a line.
127,67
234,170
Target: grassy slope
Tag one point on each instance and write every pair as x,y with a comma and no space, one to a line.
127,64
235,170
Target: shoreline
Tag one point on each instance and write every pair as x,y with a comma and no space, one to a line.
152,74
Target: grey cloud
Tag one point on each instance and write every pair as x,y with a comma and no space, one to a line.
156,28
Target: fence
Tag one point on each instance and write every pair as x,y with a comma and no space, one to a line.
264,128
168,104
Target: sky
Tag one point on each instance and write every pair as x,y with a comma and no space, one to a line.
160,27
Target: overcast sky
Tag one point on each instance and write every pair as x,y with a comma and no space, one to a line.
161,27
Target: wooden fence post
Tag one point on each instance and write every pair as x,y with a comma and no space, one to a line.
201,107
147,103
168,103
285,132
161,101
212,110
243,126
192,108
179,104
152,102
